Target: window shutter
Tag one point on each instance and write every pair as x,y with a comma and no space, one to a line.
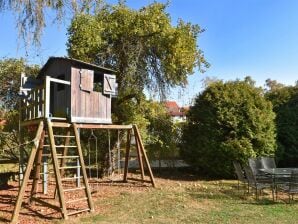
86,83
109,84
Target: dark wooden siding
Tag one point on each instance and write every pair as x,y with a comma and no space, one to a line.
88,106
60,100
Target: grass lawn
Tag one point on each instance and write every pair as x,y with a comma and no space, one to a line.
189,201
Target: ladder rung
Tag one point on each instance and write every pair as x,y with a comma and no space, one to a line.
67,157
71,178
74,189
47,173
49,154
62,146
79,211
62,136
69,167
77,200
66,146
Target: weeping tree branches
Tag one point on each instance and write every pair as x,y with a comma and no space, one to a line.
31,14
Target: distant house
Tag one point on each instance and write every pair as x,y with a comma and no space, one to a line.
177,113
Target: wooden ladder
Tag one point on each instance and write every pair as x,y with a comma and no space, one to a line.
70,152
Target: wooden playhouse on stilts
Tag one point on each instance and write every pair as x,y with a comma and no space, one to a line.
66,96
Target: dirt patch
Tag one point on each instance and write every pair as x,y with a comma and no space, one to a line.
37,213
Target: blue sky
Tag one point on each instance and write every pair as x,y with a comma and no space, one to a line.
258,38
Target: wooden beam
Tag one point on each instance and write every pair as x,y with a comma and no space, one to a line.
92,126
20,197
104,126
85,178
137,133
128,139
56,170
37,166
140,157
60,81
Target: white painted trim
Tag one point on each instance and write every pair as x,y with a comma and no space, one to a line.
47,96
91,120
60,81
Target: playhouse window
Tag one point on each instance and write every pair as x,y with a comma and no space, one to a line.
97,83
60,86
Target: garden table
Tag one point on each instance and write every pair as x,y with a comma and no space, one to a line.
284,172
280,176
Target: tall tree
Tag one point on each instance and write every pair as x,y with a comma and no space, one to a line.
285,105
229,121
145,49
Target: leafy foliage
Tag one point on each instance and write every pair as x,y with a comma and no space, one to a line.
141,45
285,105
10,77
229,121
163,134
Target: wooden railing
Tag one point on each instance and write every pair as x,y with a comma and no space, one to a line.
36,104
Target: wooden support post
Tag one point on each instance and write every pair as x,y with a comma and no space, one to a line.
56,170
85,178
137,133
37,167
128,139
140,157
20,197
22,166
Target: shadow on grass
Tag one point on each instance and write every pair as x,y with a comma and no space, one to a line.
182,174
230,192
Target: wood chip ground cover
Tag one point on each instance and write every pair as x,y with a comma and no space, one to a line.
177,199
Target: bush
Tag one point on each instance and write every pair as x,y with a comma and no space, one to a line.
285,105
229,121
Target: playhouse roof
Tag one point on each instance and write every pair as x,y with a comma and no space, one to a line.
74,62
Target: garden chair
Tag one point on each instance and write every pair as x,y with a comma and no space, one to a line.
292,187
240,174
254,183
256,164
268,162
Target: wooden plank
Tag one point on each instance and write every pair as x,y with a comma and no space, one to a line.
86,80
60,81
128,139
37,168
73,96
92,126
20,197
85,178
56,170
47,96
104,126
137,133
139,154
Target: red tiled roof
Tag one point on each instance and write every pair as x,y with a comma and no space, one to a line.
173,109
171,104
